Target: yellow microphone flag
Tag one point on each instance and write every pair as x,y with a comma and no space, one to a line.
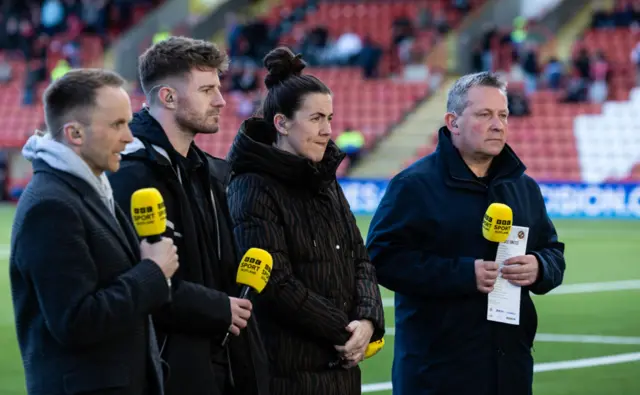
497,222
373,348
255,269
148,212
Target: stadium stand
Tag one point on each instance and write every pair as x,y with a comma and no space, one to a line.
324,33
370,105
574,135
32,51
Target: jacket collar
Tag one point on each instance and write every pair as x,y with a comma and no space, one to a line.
252,151
151,144
119,227
505,167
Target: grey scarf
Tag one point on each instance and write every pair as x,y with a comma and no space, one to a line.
61,157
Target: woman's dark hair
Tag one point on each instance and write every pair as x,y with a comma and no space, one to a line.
286,85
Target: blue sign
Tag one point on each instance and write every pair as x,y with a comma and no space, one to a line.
563,200
592,200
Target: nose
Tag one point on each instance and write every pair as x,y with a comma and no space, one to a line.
326,130
497,123
218,101
128,136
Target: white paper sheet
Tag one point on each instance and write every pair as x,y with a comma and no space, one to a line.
504,300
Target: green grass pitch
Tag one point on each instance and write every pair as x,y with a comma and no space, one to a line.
597,324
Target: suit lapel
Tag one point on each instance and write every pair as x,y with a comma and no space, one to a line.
128,231
103,213
93,202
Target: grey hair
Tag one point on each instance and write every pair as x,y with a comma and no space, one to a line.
457,97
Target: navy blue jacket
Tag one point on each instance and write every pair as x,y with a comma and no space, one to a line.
423,240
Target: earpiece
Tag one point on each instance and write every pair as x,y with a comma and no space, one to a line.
454,123
169,99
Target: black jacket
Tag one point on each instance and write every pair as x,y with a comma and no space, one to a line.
321,277
190,328
423,240
81,295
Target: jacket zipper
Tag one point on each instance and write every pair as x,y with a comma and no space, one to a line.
166,336
215,216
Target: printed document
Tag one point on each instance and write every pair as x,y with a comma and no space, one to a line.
504,300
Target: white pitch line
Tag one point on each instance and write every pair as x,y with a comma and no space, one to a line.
596,287
593,339
543,367
567,289
587,362
558,338
377,387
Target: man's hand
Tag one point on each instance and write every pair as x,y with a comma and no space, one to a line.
486,275
521,270
163,253
353,350
240,314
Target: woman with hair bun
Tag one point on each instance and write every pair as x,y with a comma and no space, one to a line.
322,305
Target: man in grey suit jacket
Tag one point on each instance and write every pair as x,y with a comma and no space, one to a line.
83,287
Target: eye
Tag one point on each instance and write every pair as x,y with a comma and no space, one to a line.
315,119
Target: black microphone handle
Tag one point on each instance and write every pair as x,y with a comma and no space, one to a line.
244,294
154,238
226,339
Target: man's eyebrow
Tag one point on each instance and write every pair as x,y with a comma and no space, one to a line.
208,86
120,121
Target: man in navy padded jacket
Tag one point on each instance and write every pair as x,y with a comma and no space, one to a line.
427,245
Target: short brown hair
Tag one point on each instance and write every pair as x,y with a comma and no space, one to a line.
73,96
176,57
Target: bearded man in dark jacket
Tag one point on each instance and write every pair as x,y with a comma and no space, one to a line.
180,79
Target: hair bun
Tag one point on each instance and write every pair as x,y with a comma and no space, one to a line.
281,64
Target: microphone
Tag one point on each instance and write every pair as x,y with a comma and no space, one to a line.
149,215
253,274
373,348
497,222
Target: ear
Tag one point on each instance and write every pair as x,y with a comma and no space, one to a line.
281,123
166,97
74,133
451,120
